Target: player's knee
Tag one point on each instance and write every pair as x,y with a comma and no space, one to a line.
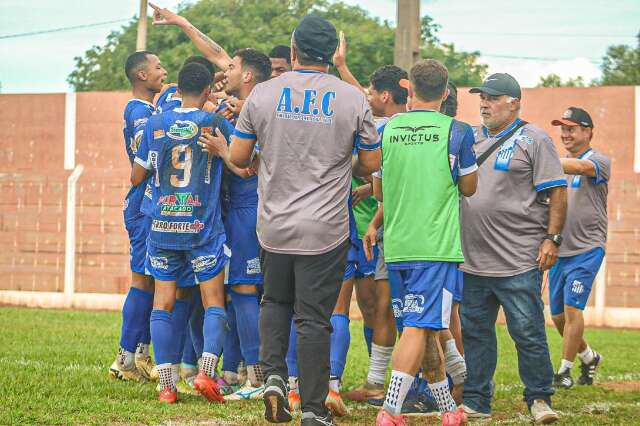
245,289
572,314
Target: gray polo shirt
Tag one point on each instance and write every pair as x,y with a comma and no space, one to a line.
586,226
505,221
307,124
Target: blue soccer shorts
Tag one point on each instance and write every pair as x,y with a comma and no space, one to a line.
571,278
422,293
240,227
205,261
364,267
459,287
353,255
138,230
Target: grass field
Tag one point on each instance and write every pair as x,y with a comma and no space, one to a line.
55,363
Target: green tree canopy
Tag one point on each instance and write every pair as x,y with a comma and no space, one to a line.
554,80
621,65
262,24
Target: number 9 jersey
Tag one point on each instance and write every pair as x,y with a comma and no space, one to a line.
185,181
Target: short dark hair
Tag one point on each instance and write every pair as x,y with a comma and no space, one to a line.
281,51
257,61
193,78
305,59
134,62
388,77
429,79
450,105
197,59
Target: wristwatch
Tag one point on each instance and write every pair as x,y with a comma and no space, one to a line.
556,238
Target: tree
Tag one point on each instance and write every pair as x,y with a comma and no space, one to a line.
262,24
621,65
554,80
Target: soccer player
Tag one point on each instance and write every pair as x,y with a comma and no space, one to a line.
583,245
423,251
146,75
280,57
248,68
170,99
186,229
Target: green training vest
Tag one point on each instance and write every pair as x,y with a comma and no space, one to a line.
421,208
363,212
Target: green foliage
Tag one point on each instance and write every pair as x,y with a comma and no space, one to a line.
262,24
621,66
554,80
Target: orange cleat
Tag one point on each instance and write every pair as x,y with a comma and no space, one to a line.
294,400
335,404
454,418
207,387
386,419
168,395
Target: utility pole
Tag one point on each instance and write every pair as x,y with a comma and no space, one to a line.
407,46
141,40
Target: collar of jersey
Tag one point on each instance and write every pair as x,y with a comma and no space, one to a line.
485,131
308,71
586,154
140,100
185,109
422,110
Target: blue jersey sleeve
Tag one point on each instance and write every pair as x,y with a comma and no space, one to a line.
467,157
142,156
227,129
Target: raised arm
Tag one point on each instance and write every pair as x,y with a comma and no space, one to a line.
209,48
340,62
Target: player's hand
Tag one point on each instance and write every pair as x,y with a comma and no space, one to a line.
547,255
214,144
235,105
219,86
254,166
361,193
163,16
340,57
369,241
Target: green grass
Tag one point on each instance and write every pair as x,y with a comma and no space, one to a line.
55,363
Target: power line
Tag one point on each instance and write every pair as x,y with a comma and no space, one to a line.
537,58
57,30
559,35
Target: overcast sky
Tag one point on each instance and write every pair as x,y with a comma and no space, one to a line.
525,38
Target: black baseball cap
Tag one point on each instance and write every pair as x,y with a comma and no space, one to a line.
499,84
574,116
316,37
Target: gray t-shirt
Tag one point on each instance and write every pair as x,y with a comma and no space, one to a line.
505,221
586,225
306,124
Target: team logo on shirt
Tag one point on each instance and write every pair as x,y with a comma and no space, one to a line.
413,303
178,204
201,263
177,227
577,287
158,134
253,266
182,129
414,135
314,109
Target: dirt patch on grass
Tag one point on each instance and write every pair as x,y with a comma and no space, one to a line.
629,386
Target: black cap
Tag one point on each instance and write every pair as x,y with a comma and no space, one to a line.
317,38
574,116
499,84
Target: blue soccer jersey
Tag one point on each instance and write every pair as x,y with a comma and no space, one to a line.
185,181
169,99
136,114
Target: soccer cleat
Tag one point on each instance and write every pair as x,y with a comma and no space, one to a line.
385,419
246,392
276,405
542,413
147,368
335,404
366,392
318,421
563,380
116,372
168,395
588,371
473,414
207,387
454,418
294,400
419,406
242,373
226,388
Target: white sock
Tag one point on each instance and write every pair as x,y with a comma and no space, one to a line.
454,362
565,366
142,350
209,362
588,355
398,388
334,384
378,363
167,378
440,392
230,377
126,359
293,383
255,376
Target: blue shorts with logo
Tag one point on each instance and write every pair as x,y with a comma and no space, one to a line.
459,287
422,293
571,278
364,267
205,261
138,230
240,227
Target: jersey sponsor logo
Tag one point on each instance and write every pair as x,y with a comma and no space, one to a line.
314,108
410,135
182,130
206,130
528,140
140,121
178,204
202,263
159,262
253,266
148,192
177,227
158,134
577,287
413,303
